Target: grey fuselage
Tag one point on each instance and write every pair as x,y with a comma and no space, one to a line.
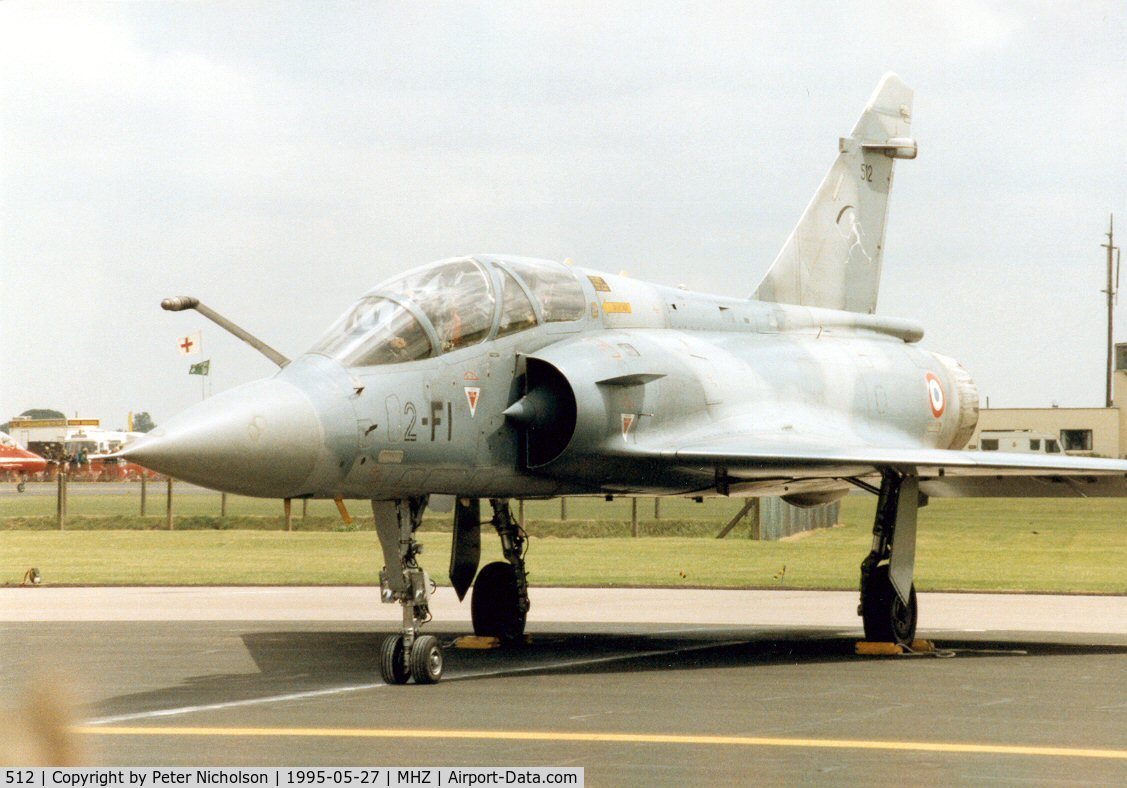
646,369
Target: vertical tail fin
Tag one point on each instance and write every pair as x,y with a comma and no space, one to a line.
832,258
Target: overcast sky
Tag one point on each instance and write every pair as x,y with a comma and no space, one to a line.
278,159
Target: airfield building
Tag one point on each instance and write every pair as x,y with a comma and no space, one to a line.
1093,432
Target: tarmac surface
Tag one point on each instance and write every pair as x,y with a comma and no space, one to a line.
638,686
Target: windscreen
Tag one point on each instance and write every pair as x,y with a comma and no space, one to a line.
375,331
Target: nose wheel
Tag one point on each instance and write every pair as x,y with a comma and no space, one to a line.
426,660
423,662
408,654
393,664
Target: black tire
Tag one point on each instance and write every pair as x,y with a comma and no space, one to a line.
392,668
21,486
426,659
886,618
495,604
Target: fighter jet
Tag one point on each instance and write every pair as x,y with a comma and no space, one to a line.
492,377
19,461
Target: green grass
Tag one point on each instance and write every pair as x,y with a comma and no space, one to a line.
124,500
1004,545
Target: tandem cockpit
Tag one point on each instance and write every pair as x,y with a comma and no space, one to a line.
452,304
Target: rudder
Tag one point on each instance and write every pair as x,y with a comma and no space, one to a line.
832,258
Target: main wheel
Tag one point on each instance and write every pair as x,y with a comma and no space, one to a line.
392,667
21,486
887,619
426,659
495,605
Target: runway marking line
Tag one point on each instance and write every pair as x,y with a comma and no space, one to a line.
615,738
310,694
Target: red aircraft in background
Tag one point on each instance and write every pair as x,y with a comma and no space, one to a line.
21,462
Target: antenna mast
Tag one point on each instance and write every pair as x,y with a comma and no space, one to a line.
1111,291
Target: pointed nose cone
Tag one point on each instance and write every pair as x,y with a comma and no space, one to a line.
259,439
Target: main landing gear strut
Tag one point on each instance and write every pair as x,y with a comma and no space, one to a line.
408,654
499,606
888,596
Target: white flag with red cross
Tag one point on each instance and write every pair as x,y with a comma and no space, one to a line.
190,345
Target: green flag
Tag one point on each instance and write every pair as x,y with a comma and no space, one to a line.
203,368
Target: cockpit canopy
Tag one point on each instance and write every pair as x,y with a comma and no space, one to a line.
452,304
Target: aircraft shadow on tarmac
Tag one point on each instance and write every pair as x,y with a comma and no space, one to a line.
293,662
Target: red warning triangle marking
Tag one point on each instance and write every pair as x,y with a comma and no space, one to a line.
627,423
472,395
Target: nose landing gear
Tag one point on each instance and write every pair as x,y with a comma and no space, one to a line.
408,654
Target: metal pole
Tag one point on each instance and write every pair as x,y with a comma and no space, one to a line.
520,512
735,520
188,302
168,510
755,532
287,507
634,517
1110,291
657,508
344,515
60,496
563,509
304,509
222,504
144,492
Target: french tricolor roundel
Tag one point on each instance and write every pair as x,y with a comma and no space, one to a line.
936,398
